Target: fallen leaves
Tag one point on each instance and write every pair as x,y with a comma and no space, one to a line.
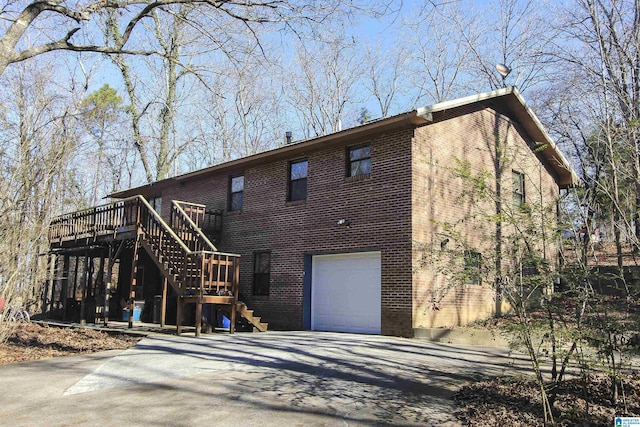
32,342
515,402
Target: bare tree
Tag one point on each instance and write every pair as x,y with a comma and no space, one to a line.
324,83
247,118
54,25
36,143
385,77
443,38
599,56
510,32
154,95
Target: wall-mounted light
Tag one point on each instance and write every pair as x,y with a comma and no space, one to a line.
443,244
344,223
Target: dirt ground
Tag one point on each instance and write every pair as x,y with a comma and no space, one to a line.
30,341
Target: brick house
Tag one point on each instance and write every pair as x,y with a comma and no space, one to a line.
327,229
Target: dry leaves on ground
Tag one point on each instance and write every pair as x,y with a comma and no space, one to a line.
515,402
30,341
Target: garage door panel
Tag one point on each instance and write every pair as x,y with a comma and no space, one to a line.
346,292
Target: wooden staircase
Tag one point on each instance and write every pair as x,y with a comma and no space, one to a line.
192,265
247,314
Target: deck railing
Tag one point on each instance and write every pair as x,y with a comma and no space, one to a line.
193,263
95,221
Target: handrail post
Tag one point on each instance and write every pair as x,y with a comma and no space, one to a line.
235,285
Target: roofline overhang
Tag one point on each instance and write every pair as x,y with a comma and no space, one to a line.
413,118
565,175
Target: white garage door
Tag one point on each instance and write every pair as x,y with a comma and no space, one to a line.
345,293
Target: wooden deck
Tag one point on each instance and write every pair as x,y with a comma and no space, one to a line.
190,263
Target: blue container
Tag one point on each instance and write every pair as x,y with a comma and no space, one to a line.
223,321
137,312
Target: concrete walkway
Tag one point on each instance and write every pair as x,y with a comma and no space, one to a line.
269,379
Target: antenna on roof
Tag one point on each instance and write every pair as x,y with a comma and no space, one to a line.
504,72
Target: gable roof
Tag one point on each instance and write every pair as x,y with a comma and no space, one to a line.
506,100
510,102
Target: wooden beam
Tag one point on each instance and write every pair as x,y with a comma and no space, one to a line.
53,259
111,260
179,316
87,279
64,292
236,286
103,286
75,280
163,309
107,287
134,273
198,317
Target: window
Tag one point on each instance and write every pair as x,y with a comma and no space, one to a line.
518,189
156,204
359,160
236,192
472,267
261,272
298,180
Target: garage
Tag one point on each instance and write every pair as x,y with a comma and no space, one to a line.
346,292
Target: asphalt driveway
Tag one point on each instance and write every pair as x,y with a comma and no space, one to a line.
267,379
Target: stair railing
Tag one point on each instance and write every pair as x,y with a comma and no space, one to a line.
189,230
174,252
217,269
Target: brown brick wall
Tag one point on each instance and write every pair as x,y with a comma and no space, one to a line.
378,207
395,211
439,196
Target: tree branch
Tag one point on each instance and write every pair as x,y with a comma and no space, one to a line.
65,44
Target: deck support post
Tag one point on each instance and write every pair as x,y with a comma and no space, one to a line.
179,315
134,274
102,289
107,287
75,280
163,309
198,317
51,284
88,262
65,286
111,261
234,303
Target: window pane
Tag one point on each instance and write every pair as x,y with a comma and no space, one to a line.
237,184
361,167
360,153
298,190
299,170
518,188
236,201
518,182
262,262
260,284
261,273
156,204
472,266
